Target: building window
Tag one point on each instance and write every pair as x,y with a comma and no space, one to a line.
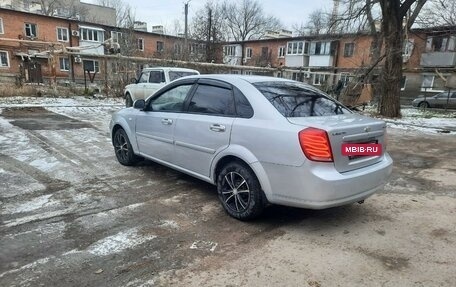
92,66
64,64
160,46
116,36
441,44
345,78
177,48
349,49
229,50
281,51
1,26
30,30
91,35
141,44
320,79
297,48
62,34
248,53
320,48
4,59
403,83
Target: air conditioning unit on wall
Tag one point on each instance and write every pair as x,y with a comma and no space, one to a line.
75,33
77,59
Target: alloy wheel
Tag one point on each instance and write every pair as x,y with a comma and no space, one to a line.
235,192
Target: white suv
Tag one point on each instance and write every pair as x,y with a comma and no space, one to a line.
151,80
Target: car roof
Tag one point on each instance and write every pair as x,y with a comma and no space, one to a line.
170,69
233,79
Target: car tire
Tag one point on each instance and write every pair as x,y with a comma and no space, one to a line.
239,191
123,149
128,100
423,105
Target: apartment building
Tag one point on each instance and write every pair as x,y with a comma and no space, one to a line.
39,48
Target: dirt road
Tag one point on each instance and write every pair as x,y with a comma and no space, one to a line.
72,216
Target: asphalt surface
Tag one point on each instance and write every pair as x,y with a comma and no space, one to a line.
72,216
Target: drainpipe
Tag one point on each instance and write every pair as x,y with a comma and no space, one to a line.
70,35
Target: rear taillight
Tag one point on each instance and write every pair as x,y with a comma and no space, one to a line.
315,144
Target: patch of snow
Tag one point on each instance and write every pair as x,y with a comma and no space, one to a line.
119,242
27,266
169,224
14,183
204,245
140,283
36,217
31,205
59,102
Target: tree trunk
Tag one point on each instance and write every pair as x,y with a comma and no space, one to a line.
391,75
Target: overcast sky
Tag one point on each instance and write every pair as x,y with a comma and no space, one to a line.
165,12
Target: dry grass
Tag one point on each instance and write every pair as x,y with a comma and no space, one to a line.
13,91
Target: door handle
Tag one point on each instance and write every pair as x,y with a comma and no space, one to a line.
217,128
167,121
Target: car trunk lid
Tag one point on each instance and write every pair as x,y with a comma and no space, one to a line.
346,129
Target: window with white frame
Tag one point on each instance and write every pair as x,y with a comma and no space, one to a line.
428,82
4,60
229,50
177,48
282,51
432,83
248,52
91,35
91,66
62,34
441,43
320,48
320,79
64,64
116,36
140,42
1,26
403,83
30,30
349,49
297,48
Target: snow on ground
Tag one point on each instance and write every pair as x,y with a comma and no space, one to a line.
424,121
59,102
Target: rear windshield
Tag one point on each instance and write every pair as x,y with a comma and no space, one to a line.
293,99
174,75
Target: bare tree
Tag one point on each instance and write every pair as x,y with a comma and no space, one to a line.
125,16
208,26
394,17
246,20
438,13
49,7
318,23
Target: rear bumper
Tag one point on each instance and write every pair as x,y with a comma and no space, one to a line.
319,185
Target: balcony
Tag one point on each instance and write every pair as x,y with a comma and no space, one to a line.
438,59
321,61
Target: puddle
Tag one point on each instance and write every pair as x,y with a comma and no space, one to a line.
38,118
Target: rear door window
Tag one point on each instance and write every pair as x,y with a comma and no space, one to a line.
157,77
212,100
297,100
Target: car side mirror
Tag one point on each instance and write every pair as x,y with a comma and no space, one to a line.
134,81
139,104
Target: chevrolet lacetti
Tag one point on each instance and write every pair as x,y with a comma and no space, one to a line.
260,140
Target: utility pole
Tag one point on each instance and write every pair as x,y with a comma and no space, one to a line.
209,32
186,32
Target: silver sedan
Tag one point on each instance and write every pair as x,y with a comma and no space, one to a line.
259,139
441,100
